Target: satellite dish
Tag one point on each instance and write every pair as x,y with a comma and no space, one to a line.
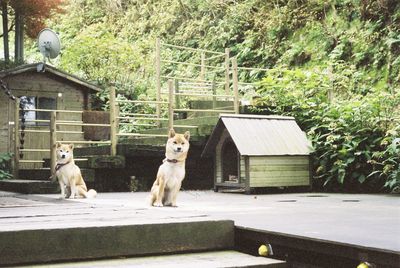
49,45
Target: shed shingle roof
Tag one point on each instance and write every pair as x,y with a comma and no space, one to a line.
50,69
256,135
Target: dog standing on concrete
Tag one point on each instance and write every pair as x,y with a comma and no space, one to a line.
172,171
69,175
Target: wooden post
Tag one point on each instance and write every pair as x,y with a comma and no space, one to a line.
227,80
170,104
16,139
177,98
113,123
53,140
235,85
214,92
203,66
158,78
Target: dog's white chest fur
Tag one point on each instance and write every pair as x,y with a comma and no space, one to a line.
66,172
174,173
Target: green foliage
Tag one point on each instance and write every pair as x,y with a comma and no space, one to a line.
5,159
335,66
355,138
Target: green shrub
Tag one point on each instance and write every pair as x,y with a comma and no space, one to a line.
356,140
5,171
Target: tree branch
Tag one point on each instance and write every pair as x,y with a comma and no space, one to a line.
9,29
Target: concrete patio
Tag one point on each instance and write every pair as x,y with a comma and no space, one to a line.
369,222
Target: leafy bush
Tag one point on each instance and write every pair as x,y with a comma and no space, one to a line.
356,141
5,166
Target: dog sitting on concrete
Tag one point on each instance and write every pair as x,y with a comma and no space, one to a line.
172,171
69,175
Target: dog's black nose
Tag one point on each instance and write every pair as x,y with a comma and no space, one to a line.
63,156
178,149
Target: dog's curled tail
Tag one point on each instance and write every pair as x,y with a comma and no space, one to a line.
91,193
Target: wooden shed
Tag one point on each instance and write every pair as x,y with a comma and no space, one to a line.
52,89
252,151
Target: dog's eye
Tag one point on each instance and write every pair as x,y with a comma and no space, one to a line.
175,142
183,143
66,151
61,151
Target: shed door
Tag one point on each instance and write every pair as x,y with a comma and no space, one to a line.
230,159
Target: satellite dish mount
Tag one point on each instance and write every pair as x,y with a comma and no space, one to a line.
49,46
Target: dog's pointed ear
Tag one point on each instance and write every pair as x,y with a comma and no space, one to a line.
171,133
187,135
71,146
58,145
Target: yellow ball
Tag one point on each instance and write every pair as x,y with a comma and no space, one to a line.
263,250
363,265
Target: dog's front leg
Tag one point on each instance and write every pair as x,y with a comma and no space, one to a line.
73,191
62,188
160,193
174,194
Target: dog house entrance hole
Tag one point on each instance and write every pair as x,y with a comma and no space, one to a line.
230,161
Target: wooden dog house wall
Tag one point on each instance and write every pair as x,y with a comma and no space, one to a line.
51,89
258,151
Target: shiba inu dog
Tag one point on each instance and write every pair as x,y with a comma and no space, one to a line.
69,175
171,172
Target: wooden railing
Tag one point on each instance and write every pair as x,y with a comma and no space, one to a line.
52,130
216,79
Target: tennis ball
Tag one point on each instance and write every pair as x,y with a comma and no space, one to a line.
363,265
263,250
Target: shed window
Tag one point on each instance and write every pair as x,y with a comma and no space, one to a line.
29,102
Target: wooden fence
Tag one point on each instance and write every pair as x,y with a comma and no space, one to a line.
214,77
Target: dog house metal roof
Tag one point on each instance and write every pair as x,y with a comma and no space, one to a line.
256,135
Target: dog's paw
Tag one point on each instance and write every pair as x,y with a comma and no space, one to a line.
158,204
171,205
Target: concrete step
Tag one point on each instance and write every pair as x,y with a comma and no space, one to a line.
225,259
30,186
93,242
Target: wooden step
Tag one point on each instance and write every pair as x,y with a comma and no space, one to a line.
30,186
43,174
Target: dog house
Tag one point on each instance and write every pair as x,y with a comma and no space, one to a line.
252,151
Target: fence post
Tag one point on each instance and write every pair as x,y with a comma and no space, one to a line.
177,97
235,84
16,139
214,92
203,66
53,140
227,80
158,78
113,123
170,104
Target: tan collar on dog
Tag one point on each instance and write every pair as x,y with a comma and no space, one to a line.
172,160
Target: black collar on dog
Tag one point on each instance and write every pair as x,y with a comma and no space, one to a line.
58,166
172,161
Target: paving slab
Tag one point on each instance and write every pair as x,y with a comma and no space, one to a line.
219,259
359,219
